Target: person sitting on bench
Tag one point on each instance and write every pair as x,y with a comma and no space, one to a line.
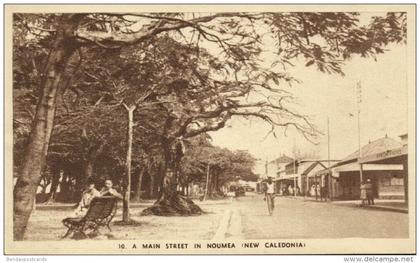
108,190
87,197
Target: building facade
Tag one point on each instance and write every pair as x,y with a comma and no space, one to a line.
383,161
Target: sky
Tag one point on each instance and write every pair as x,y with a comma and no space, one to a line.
322,96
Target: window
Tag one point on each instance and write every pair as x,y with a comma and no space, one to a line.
385,181
396,181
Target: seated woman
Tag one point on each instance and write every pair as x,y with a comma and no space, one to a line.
87,197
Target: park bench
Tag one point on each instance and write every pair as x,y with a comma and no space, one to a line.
100,213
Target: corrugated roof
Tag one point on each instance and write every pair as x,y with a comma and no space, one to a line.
377,146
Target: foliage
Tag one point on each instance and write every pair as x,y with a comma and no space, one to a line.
188,75
228,165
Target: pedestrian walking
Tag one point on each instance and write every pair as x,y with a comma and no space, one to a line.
269,194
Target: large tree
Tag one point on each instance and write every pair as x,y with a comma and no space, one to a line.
322,39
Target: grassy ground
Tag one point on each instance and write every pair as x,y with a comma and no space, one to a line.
45,224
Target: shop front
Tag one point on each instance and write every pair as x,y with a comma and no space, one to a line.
387,180
286,184
390,184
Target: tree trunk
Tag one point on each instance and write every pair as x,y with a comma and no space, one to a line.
152,193
127,181
188,189
206,190
82,179
137,192
218,190
211,186
170,202
54,185
88,171
30,172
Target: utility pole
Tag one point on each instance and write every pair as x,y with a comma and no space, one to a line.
294,169
359,101
329,161
266,168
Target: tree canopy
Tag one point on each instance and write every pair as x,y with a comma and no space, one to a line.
186,74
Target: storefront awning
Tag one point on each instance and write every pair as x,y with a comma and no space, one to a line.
288,176
353,167
321,173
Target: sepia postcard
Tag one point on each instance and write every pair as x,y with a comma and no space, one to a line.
210,129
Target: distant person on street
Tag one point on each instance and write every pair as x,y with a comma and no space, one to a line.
363,195
317,191
88,194
108,190
312,191
324,193
290,189
269,191
369,192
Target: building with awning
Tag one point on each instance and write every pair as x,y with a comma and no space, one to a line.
273,169
383,161
392,185
298,173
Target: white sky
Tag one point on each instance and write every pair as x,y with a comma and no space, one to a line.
320,95
383,109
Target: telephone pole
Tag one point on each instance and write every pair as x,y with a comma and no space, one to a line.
359,101
294,169
329,161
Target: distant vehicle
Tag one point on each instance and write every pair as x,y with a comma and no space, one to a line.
238,190
249,189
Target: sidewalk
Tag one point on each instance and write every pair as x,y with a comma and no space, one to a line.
380,204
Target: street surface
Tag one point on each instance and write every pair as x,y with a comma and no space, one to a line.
295,218
242,218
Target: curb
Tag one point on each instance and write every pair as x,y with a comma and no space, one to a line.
388,208
374,207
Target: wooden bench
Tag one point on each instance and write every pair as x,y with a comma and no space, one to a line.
100,213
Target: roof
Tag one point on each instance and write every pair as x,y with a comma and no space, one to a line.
312,166
322,161
375,147
391,156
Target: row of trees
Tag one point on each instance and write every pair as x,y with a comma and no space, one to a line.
118,89
215,167
204,165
